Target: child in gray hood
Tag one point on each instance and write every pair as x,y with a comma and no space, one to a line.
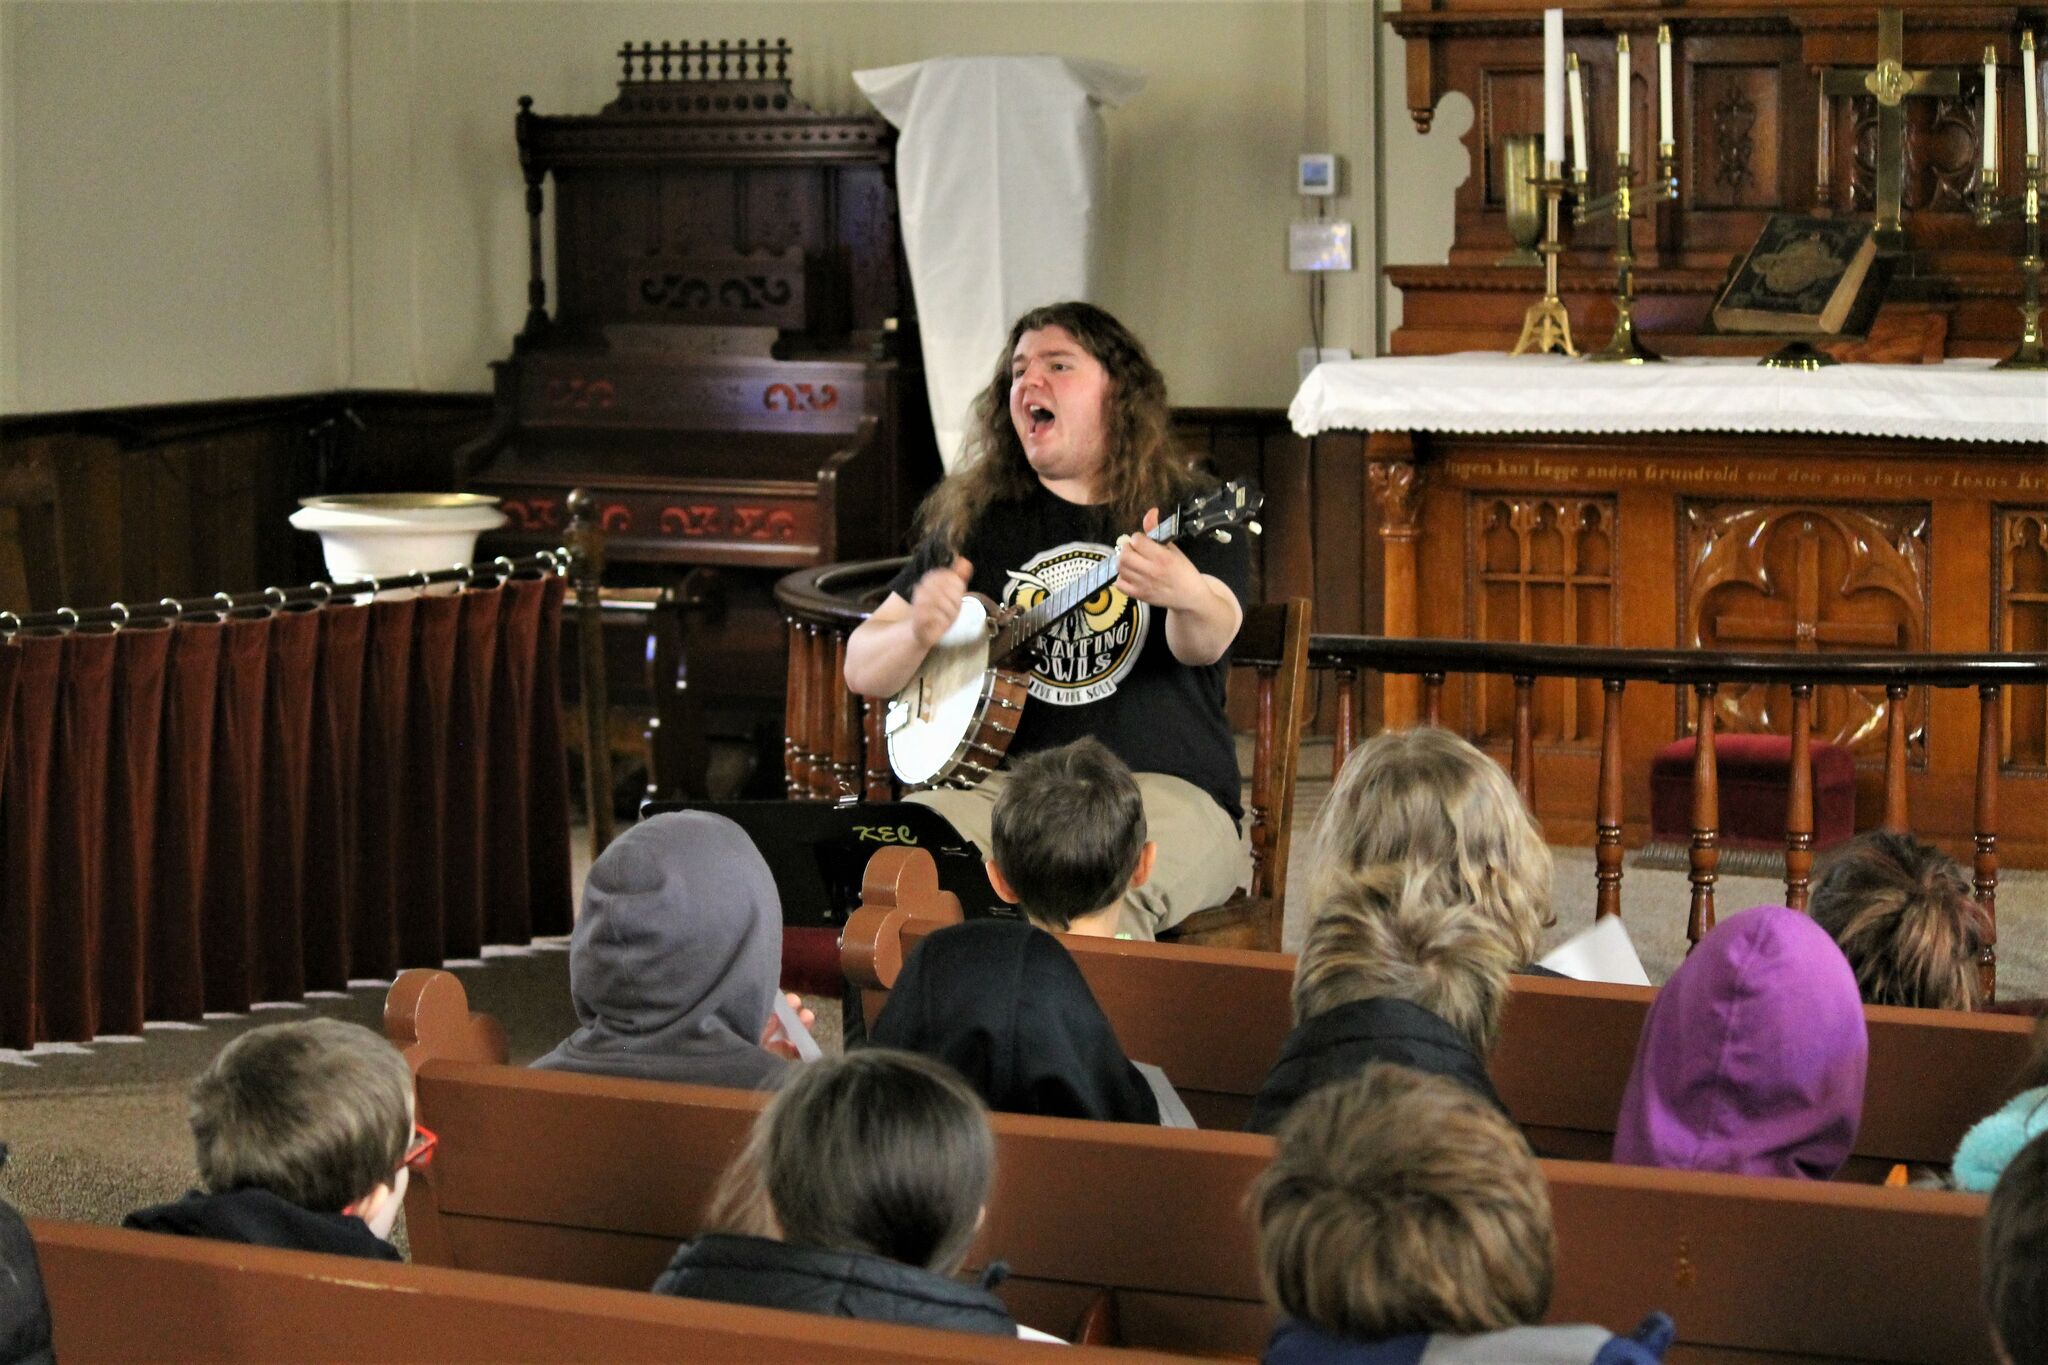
674,961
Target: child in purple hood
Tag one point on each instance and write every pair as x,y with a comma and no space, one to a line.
1752,1057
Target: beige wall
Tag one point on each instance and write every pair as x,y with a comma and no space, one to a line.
207,201
169,202
1420,175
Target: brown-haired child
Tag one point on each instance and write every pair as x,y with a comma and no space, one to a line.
1401,1209
305,1139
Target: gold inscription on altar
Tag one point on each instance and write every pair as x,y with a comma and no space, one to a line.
1906,478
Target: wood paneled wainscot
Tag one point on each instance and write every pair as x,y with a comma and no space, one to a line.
1725,543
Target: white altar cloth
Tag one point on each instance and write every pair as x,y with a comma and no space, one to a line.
1483,392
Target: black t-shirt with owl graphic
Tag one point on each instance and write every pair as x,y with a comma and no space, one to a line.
1105,669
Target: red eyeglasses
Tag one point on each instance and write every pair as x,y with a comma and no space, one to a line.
421,1154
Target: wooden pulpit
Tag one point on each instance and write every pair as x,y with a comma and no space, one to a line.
731,367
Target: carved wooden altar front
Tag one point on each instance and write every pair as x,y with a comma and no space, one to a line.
1730,543
1758,131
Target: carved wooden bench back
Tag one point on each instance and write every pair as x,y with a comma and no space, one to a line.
589,1178
1214,1019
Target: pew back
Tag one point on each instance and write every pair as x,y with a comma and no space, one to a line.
1214,1020
596,1180
116,1294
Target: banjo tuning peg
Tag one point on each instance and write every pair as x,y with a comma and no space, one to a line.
1254,528
1222,537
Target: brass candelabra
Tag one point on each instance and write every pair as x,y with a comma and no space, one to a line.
2026,205
1546,326
1624,347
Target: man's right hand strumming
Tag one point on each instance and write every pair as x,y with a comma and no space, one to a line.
935,601
884,651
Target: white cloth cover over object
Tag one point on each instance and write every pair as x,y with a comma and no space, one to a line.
998,174
1487,392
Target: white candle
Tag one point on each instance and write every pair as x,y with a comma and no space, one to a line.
1990,108
1581,160
1553,87
2033,85
1621,101
1664,85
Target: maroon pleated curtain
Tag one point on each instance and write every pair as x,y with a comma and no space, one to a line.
196,817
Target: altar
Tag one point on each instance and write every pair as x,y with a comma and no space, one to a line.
1716,505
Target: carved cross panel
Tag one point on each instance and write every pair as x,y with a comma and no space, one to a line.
1542,572
2020,624
1807,578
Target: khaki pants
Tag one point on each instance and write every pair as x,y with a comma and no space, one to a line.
1203,856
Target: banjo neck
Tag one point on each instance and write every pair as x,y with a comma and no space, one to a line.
1015,635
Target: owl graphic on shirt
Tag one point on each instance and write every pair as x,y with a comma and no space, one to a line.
1085,655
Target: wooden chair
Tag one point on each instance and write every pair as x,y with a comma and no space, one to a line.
1142,1232
117,1294
1214,1020
1273,643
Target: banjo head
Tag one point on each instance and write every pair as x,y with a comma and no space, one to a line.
932,718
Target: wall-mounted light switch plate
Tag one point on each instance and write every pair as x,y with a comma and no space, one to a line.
1319,244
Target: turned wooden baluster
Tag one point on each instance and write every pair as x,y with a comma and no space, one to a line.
825,691
1607,850
1262,784
796,714
1432,699
1525,738
846,729
586,576
1799,801
1706,816
1986,880
874,714
1347,724
1895,758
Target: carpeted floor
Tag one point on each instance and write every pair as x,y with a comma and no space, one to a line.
99,1130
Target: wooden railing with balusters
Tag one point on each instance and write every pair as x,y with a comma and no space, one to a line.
833,748
1347,657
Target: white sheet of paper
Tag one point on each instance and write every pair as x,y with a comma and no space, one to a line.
1603,953
1173,1110
793,1028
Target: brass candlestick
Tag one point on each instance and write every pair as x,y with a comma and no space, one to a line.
2027,206
1624,347
1546,327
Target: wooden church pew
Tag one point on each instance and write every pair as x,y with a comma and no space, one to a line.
596,1180
119,1295
1214,1019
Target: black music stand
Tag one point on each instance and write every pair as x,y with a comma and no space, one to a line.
818,852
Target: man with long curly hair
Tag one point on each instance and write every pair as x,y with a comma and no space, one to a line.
1071,453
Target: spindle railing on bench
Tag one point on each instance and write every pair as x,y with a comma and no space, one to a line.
1347,657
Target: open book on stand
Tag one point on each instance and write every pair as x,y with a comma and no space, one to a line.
1804,276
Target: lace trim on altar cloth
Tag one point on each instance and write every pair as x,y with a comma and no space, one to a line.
1488,393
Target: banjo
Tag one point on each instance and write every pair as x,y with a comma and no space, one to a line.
953,722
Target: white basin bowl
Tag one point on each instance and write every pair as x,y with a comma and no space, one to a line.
386,535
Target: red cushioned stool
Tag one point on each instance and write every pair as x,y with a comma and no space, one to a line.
1755,782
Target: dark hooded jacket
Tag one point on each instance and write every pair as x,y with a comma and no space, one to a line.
1297,1343
728,1268
1002,1003
1341,1042
24,1314
261,1218
675,960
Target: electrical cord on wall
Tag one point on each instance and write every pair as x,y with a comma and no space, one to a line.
1315,298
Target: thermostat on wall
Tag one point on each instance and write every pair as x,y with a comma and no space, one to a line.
1316,174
